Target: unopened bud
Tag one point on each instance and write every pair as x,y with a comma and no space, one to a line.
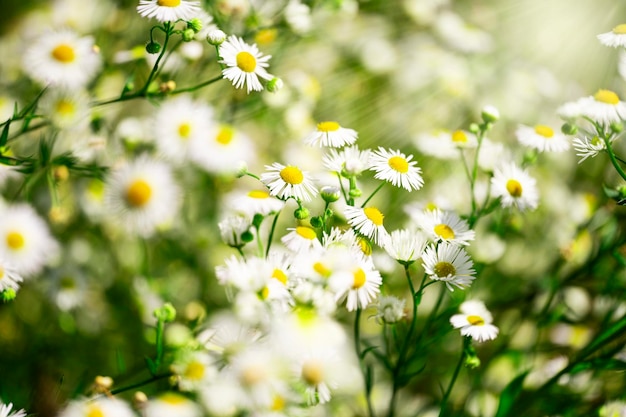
330,193
188,35
167,86
153,47
167,313
301,213
617,127
195,24
569,129
316,222
103,383
274,85
216,37
490,114
8,295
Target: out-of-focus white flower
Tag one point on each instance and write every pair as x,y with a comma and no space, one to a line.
331,134
171,404
105,407
614,38
603,107
390,309
542,138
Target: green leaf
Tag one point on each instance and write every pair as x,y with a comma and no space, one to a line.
5,134
510,394
153,367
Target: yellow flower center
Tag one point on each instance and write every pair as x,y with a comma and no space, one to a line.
280,275
306,232
246,61
1,272
444,231
65,107
94,411
514,188
63,53
606,96
278,403
312,372
225,135
544,131
327,126
15,240
168,3
194,371
431,206
172,398
444,269
184,130
359,279
620,29
365,246
459,136
259,194
321,269
264,293
138,193
374,215
475,320
265,36
398,163
292,175
252,374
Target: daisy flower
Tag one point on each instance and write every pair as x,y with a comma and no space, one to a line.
603,107
169,10
317,371
62,58
254,202
358,285
178,124
614,38
331,134
542,138
475,321
66,108
25,241
445,226
349,161
588,148
369,222
449,263
193,369
390,309
515,187
143,195
288,181
396,168
5,411
405,245
232,228
223,149
9,279
102,407
437,143
301,239
245,64
171,404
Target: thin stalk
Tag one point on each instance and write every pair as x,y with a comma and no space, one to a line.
357,349
155,68
382,184
198,86
271,235
613,158
455,375
154,378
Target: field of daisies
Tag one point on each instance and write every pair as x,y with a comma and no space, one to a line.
267,208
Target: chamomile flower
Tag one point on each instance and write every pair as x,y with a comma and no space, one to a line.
603,107
316,370
445,226
171,404
142,194
288,181
475,321
232,228
5,411
358,285
368,221
301,239
331,134
542,138
66,108
614,38
588,148
178,124
169,10
103,406
62,58
9,278
350,161
223,149
390,309
613,408
515,187
25,242
193,369
396,168
245,64
254,202
450,264
406,245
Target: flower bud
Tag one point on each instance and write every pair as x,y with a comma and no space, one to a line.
490,114
569,129
194,24
153,47
474,128
167,86
316,222
274,85
330,193
216,37
188,35
167,313
8,295
617,127
61,173
355,193
301,213
247,236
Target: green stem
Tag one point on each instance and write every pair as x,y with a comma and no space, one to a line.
382,184
154,378
198,86
364,370
159,342
271,235
455,375
155,68
613,158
